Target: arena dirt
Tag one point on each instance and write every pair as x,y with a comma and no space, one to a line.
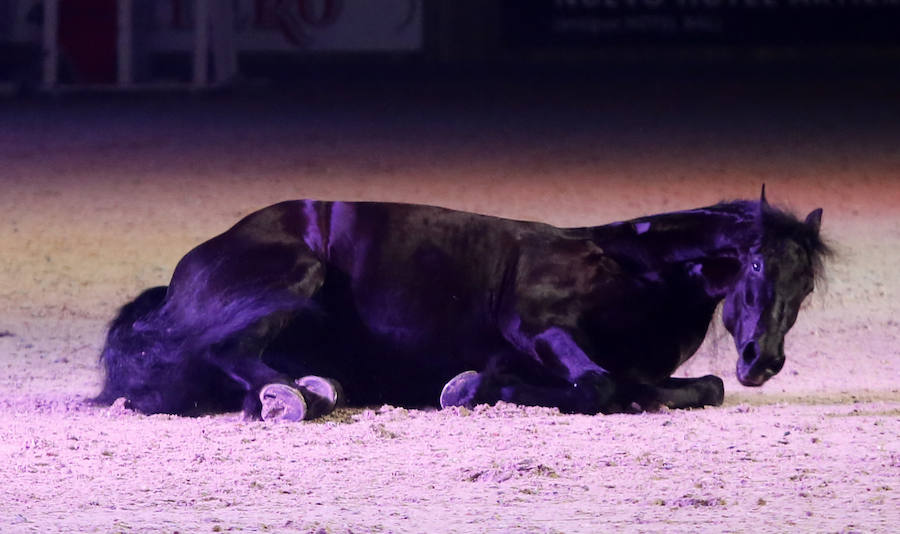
102,197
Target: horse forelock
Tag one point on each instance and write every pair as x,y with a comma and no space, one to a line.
780,225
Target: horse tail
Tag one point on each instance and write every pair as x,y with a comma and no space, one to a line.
125,348
162,365
154,371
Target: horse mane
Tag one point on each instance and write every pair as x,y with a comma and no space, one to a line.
780,224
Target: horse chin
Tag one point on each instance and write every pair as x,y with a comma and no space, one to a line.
751,380
753,376
758,363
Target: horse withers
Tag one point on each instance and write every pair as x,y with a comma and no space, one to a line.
304,304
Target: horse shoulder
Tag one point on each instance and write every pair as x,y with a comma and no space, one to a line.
555,283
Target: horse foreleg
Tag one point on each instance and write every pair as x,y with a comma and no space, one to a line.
471,388
676,393
598,395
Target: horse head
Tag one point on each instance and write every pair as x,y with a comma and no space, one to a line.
778,270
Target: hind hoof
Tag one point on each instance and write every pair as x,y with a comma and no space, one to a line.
322,395
460,390
281,402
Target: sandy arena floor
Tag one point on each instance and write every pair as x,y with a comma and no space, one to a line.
100,198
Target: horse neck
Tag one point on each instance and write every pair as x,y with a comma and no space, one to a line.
685,236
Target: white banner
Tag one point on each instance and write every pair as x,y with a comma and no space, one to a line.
300,25
259,25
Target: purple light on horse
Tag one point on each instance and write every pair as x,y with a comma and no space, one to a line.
303,305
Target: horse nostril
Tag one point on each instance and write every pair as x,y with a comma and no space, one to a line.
749,354
749,297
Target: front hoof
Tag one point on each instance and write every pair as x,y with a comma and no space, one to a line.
281,402
595,393
460,390
713,393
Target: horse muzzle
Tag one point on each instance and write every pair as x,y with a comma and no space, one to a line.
756,366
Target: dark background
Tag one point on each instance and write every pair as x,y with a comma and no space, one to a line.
492,38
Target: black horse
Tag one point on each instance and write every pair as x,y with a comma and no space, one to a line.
400,303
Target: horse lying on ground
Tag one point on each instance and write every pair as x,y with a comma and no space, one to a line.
414,305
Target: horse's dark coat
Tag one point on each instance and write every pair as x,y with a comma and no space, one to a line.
393,300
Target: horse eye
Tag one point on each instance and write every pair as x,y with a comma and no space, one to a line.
756,266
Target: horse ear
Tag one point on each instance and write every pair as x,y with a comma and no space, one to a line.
814,219
762,197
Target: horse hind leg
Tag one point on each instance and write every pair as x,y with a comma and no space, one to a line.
249,339
265,360
302,348
268,393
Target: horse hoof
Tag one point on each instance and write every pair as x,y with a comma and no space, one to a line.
460,390
322,395
715,391
281,402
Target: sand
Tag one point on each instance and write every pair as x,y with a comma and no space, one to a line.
101,197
